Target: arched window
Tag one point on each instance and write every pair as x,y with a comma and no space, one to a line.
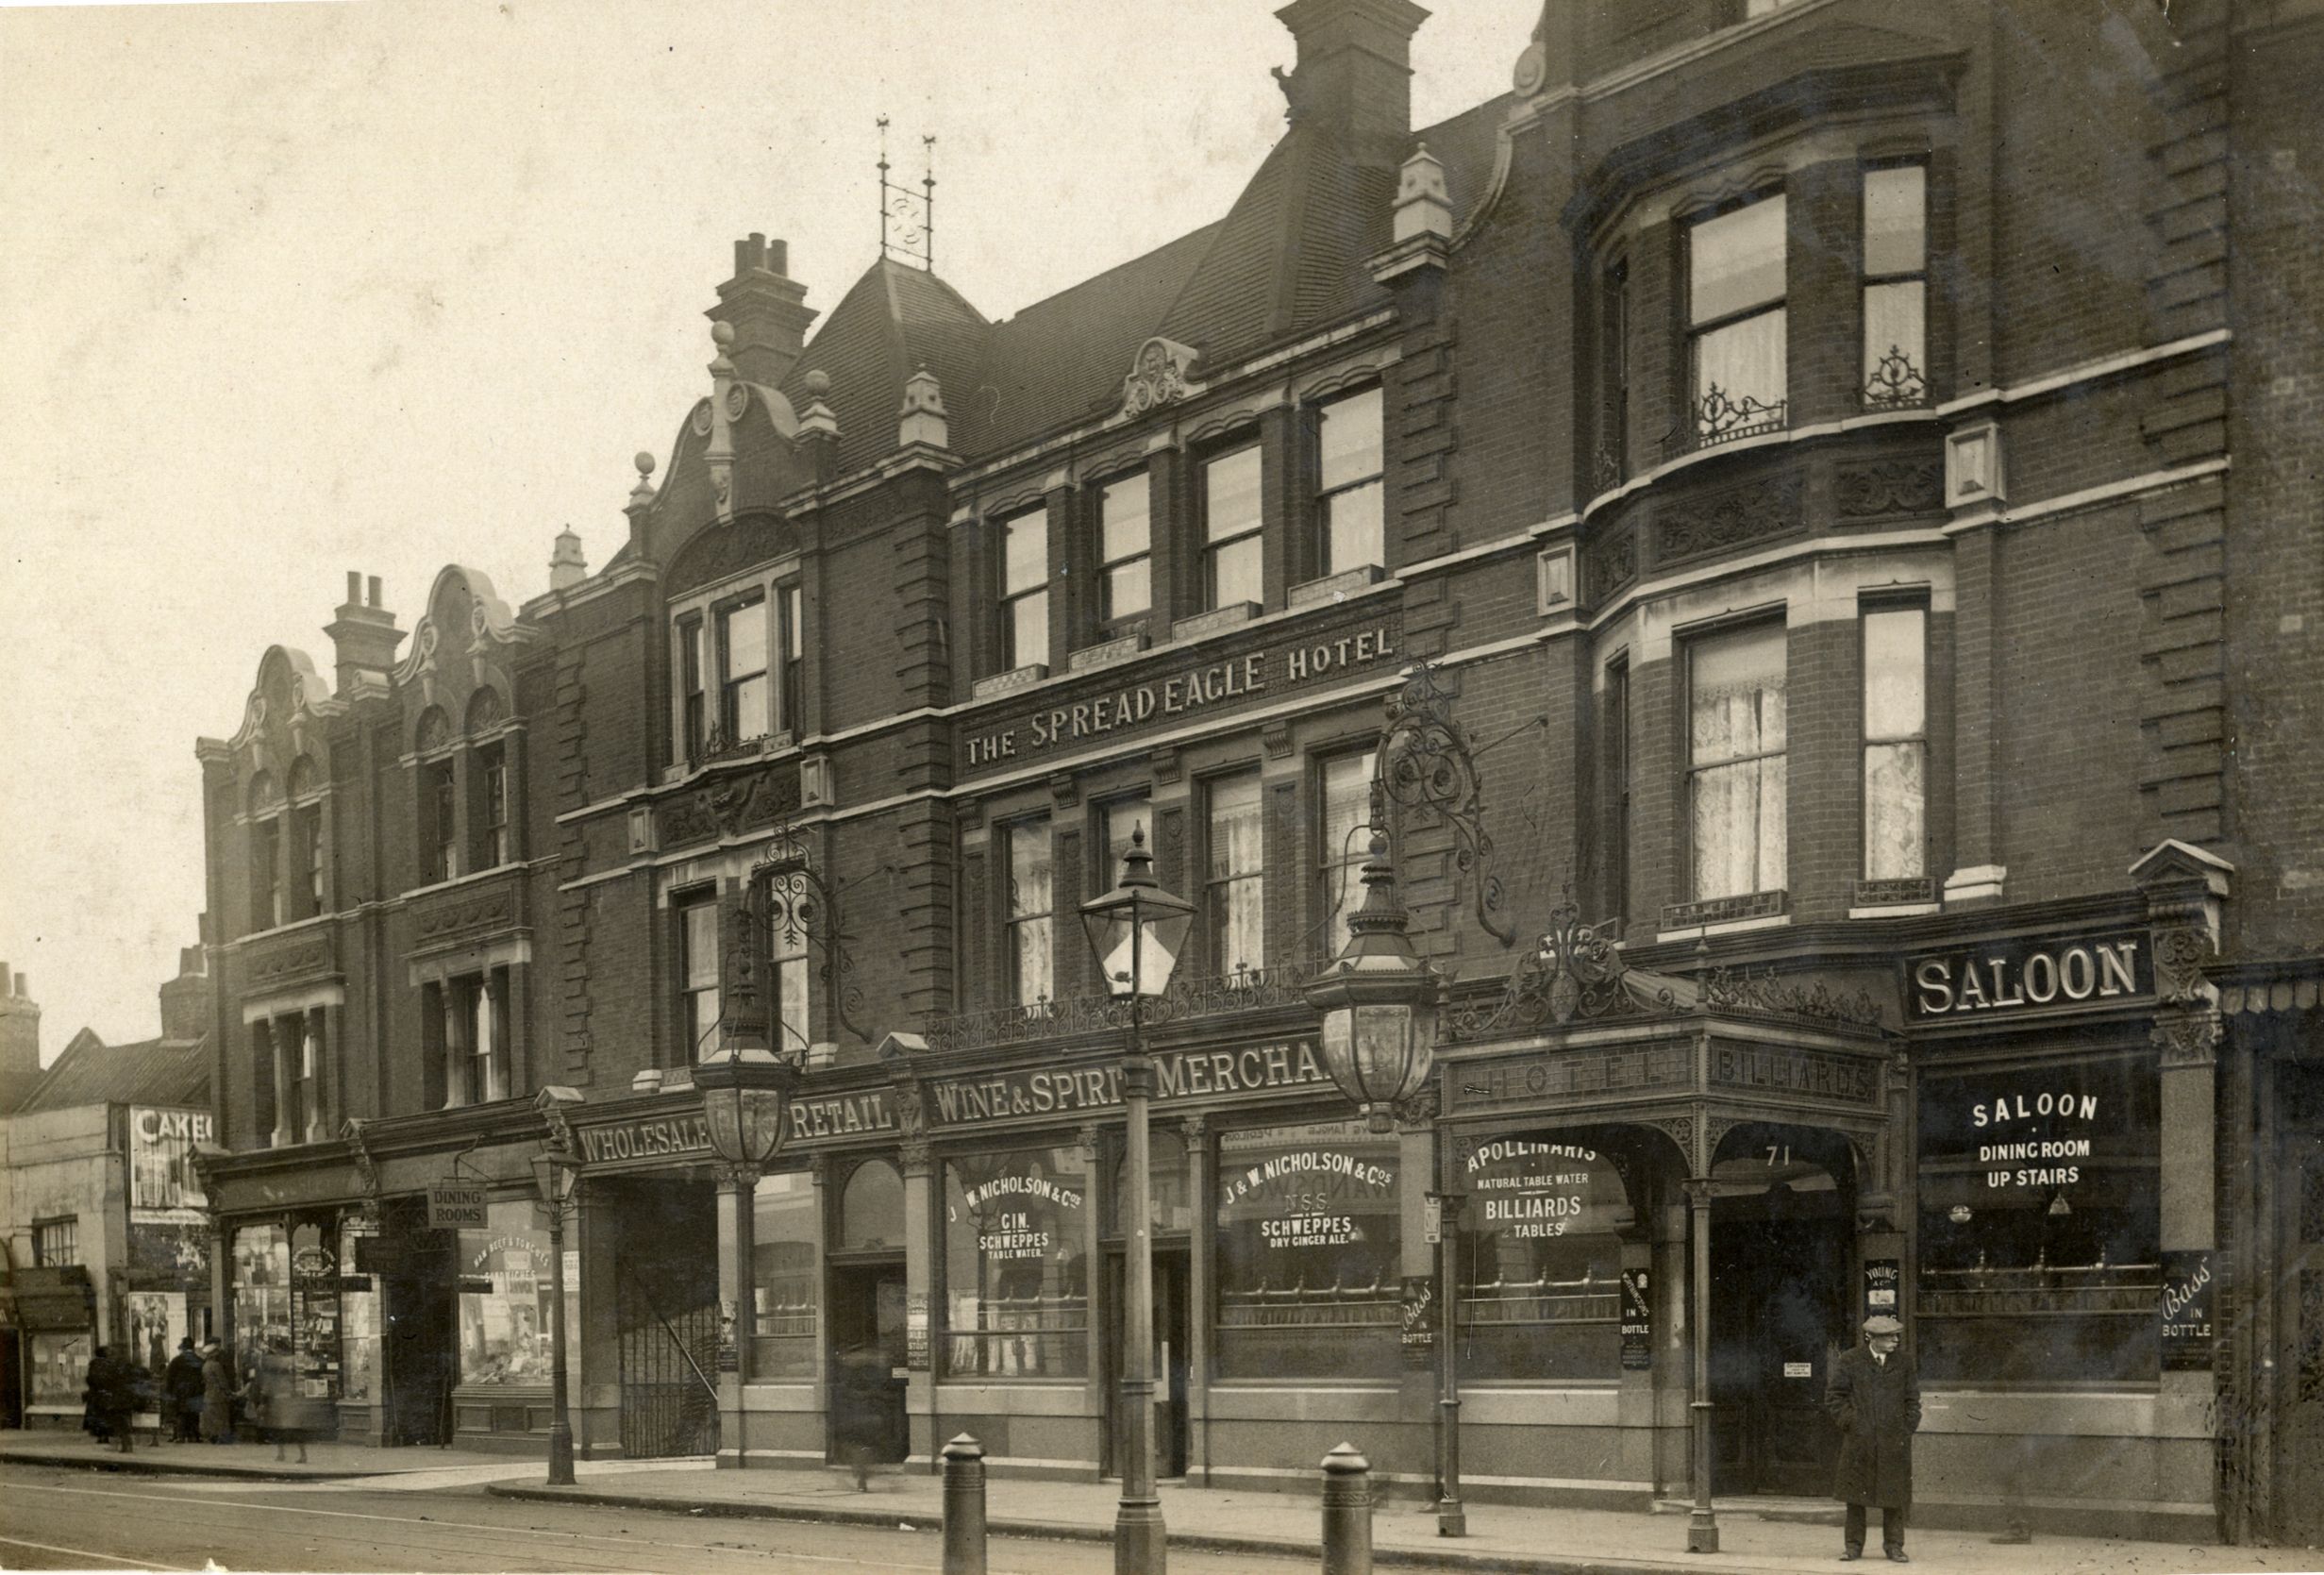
485,711
489,842
305,837
871,1208
266,889
440,851
434,731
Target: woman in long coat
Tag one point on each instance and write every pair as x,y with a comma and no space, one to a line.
97,1387
1874,1394
217,1396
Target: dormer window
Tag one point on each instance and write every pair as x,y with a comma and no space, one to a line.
744,691
1024,589
1736,321
1348,487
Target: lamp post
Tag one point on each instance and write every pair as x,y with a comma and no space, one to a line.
553,1171
745,1089
1378,1001
1138,931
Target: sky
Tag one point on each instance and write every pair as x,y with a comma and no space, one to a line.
294,289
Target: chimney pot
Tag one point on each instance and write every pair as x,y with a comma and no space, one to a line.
355,589
23,991
778,256
375,591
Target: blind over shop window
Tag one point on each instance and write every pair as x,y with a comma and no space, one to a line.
1309,1282
1016,1266
2040,1223
1540,1262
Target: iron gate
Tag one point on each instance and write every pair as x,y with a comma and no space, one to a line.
669,1399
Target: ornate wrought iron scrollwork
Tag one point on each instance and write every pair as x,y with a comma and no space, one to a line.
1720,417
1427,765
1574,971
1895,382
789,902
1736,990
1246,989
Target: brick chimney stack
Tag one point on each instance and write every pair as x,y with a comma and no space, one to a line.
363,634
1354,73
766,309
185,1001
19,1030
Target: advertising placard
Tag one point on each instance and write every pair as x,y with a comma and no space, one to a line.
2186,1309
1637,1322
456,1206
1883,1279
1419,1321
164,1189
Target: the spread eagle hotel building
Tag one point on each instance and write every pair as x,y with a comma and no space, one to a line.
1822,494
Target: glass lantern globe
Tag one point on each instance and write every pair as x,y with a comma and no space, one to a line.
1137,930
1378,1001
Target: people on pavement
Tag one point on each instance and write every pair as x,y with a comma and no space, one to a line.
217,1396
280,1407
95,1385
1874,1394
181,1394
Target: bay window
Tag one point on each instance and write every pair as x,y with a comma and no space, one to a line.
1230,521
1236,888
1736,321
1895,748
1125,550
1736,762
791,633
1350,458
1025,590
1895,263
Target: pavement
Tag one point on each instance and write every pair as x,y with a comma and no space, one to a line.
1536,1541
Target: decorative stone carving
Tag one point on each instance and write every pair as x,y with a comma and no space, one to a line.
1610,562
1754,511
291,961
717,555
465,913
2186,1038
1890,487
2179,954
1160,374
728,806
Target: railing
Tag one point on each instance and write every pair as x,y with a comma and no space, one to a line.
1895,383
1246,989
1720,417
1984,1291
1499,1303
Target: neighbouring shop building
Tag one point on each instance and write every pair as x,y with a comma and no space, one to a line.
1799,522
107,1230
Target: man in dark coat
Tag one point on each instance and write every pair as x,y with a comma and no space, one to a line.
1875,1395
182,1392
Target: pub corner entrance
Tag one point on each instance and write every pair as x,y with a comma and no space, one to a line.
1782,1215
870,1347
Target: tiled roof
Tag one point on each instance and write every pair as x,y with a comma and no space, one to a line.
1291,254
149,1072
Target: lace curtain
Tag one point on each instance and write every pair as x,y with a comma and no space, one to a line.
1736,748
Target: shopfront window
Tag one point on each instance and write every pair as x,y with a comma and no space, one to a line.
261,1291
782,1278
1016,1265
1540,1264
1172,1205
60,1367
871,1210
1307,1242
2040,1223
505,1304
358,1317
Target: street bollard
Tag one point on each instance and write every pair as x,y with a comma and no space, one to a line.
964,1507
1347,1513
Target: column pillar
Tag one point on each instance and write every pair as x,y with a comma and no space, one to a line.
1674,1341
920,1205
222,1284
315,1061
737,1221
279,1048
1201,1266
455,1046
1702,1529
492,1051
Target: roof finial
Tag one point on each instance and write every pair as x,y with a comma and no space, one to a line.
908,219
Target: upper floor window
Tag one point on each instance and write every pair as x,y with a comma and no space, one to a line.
1033,901
1230,521
56,1243
692,699
1024,589
266,888
1125,549
1896,766
788,1022
1116,819
1736,760
310,855
436,805
1237,884
1614,378
1736,322
790,637
743,690
1348,502
492,767
1615,758
697,968
305,822
1896,286
1344,794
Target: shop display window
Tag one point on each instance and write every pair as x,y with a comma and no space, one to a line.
359,1320
505,1303
261,1292
784,1278
871,1210
1016,1265
1309,1282
1172,1206
60,1367
1540,1264
2040,1220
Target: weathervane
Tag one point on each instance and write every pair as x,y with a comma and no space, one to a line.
908,219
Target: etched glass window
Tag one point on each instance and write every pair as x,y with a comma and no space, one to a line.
1308,1245
1016,1265
1541,1264
783,1276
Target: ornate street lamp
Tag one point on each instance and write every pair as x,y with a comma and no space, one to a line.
554,1169
1380,1002
1138,931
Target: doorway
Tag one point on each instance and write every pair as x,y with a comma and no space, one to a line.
868,1363
1780,1237
2300,1310
1173,1270
417,1270
666,1314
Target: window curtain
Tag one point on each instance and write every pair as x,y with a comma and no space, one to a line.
1736,740
1745,362
1238,888
1031,903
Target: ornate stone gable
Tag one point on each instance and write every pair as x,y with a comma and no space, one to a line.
714,555
1161,372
